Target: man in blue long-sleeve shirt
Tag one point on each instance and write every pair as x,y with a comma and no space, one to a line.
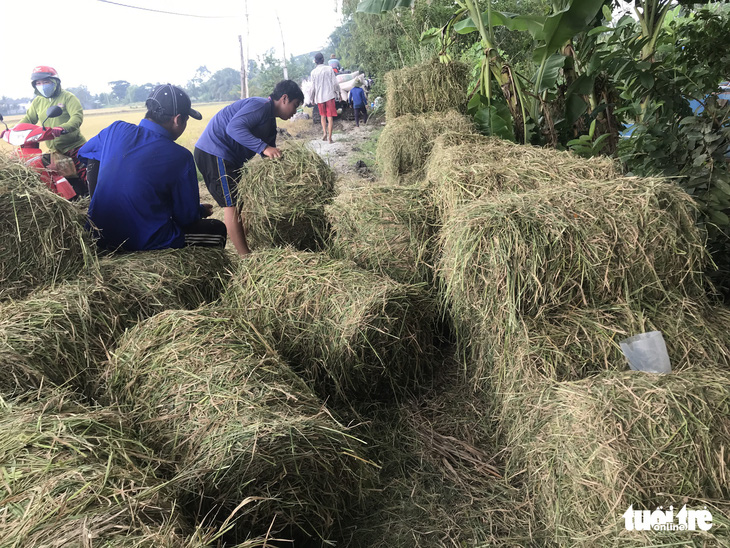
235,135
146,187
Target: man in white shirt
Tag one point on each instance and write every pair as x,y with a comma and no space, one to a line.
324,91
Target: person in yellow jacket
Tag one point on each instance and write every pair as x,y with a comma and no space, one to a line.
66,127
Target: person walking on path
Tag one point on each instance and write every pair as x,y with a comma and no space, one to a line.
324,91
145,194
234,136
66,127
358,101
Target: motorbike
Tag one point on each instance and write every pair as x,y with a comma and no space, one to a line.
56,171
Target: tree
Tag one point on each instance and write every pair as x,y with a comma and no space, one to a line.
119,89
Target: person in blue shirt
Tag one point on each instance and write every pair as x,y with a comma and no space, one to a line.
145,187
235,135
359,102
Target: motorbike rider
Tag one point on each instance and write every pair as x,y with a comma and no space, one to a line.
67,135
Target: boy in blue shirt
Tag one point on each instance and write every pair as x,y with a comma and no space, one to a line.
145,187
358,101
234,136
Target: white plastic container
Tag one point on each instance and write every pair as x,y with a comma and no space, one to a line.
647,352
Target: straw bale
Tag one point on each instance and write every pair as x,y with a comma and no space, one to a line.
240,427
349,332
405,144
61,334
72,477
590,449
629,240
386,229
282,201
43,237
465,167
429,87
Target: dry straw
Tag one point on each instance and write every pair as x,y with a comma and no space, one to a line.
61,334
245,434
464,167
73,477
521,255
429,87
282,200
591,448
405,144
349,332
43,237
386,229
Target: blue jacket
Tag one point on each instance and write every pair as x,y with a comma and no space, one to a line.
240,131
146,190
357,97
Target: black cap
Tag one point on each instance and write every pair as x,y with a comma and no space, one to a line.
171,100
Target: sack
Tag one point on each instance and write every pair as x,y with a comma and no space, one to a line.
63,165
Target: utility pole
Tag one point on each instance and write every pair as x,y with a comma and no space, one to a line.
245,3
283,47
244,75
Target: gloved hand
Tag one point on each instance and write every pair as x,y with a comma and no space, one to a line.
57,131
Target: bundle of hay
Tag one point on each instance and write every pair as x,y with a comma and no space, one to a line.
518,255
384,228
43,237
240,427
573,344
348,332
464,167
592,448
73,477
429,87
282,201
61,334
405,144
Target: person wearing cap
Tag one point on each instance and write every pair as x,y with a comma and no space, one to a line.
235,135
325,90
66,127
334,62
145,189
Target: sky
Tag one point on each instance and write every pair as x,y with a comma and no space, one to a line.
93,42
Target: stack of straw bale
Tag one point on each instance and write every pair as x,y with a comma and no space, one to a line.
594,447
246,436
405,144
43,237
429,87
282,200
349,332
463,168
73,477
384,228
61,334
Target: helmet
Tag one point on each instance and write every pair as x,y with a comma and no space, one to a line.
41,72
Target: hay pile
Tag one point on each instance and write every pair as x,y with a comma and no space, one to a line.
592,448
240,427
464,167
72,477
282,201
627,240
405,144
384,228
43,237
61,334
430,87
350,333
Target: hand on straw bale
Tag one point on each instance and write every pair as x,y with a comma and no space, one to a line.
350,333
244,432
43,237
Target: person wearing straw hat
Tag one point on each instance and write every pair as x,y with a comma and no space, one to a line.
235,135
144,194
358,100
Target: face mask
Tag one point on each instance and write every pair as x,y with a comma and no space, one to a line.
46,89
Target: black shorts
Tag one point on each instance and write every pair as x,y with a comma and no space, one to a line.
220,176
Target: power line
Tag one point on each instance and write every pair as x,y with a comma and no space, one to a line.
168,12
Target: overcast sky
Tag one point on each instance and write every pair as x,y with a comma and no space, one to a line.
90,42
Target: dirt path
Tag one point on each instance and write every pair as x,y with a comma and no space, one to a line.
346,155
